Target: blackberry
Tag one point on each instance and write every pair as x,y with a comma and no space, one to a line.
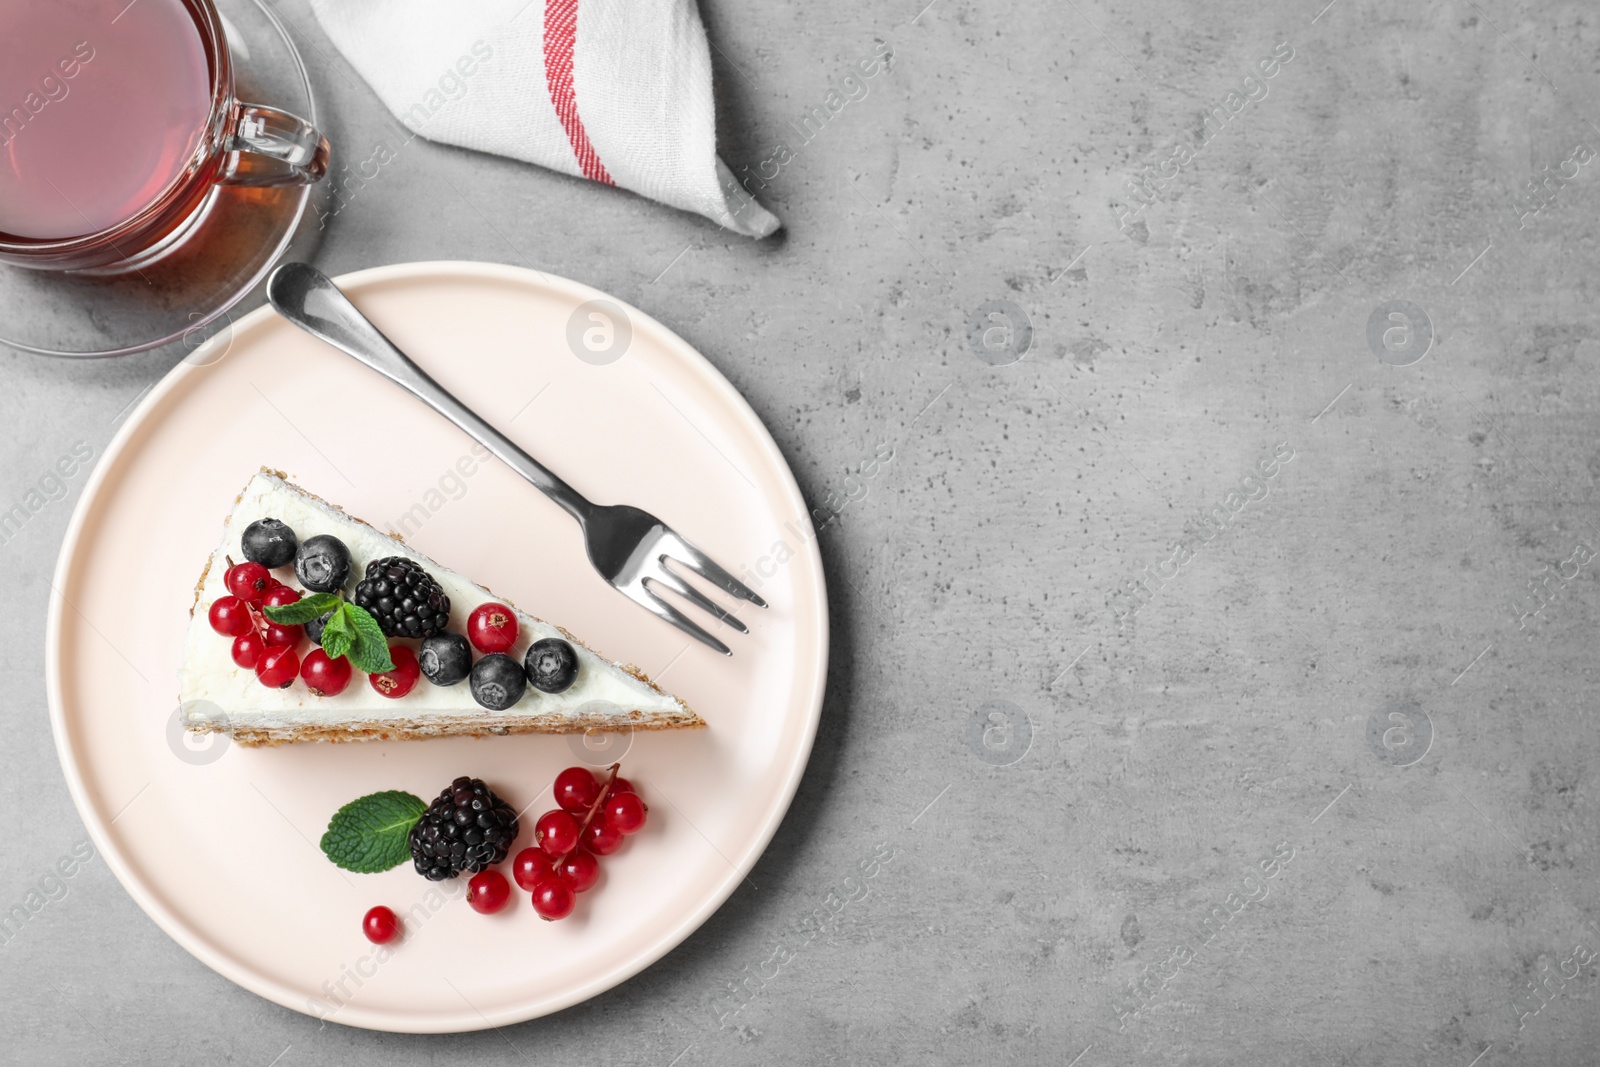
403,597
466,828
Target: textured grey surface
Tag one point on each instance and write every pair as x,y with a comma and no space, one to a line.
1070,790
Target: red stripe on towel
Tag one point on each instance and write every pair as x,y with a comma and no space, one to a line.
560,32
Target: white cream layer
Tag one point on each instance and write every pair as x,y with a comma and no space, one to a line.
215,690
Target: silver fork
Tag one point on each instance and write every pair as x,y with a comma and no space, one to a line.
629,547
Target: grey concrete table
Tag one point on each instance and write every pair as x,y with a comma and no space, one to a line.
1211,650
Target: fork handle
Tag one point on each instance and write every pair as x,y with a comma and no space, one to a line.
309,299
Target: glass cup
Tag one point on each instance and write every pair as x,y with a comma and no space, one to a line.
239,144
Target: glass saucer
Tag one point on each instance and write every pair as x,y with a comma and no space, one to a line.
238,236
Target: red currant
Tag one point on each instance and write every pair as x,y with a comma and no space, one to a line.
325,675
625,813
400,681
247,649
553,899
488,892
576,789
229,617
619,785
279,595
248,581
492,627
380,925
601,839
530,867
278,667
277,634
556,832
579,869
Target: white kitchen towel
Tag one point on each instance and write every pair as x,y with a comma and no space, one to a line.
617,91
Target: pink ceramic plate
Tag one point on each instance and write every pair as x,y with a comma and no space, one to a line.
219,844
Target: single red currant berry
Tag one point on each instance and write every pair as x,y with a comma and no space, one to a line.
279,595
488,892
228,616
380,925
325,675
619,785
556,832
576,789
276,633
579,869
248,581
247,649
625,813
530,867
278,667
553,899
492,627
601,839
400,681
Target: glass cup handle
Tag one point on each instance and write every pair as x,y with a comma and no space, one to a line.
272,147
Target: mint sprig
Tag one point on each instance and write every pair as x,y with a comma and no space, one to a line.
350,631
370,834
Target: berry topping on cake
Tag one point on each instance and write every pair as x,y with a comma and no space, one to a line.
228,616
400,681
492,627
446,658
325,675
247,649
322,563
314,627
403,597
249,582
278,667
552,665
497,681
269,542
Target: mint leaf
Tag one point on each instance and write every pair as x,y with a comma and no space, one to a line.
337,636
369,835
369,651
336,644
303,610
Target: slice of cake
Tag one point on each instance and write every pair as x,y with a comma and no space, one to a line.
236,678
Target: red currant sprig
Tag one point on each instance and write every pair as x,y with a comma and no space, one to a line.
266,647
563,864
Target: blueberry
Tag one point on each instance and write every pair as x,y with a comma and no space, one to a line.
446,658
314,628
552,665
268,542
322,563
497,681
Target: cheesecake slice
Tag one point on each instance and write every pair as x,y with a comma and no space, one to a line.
218,696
